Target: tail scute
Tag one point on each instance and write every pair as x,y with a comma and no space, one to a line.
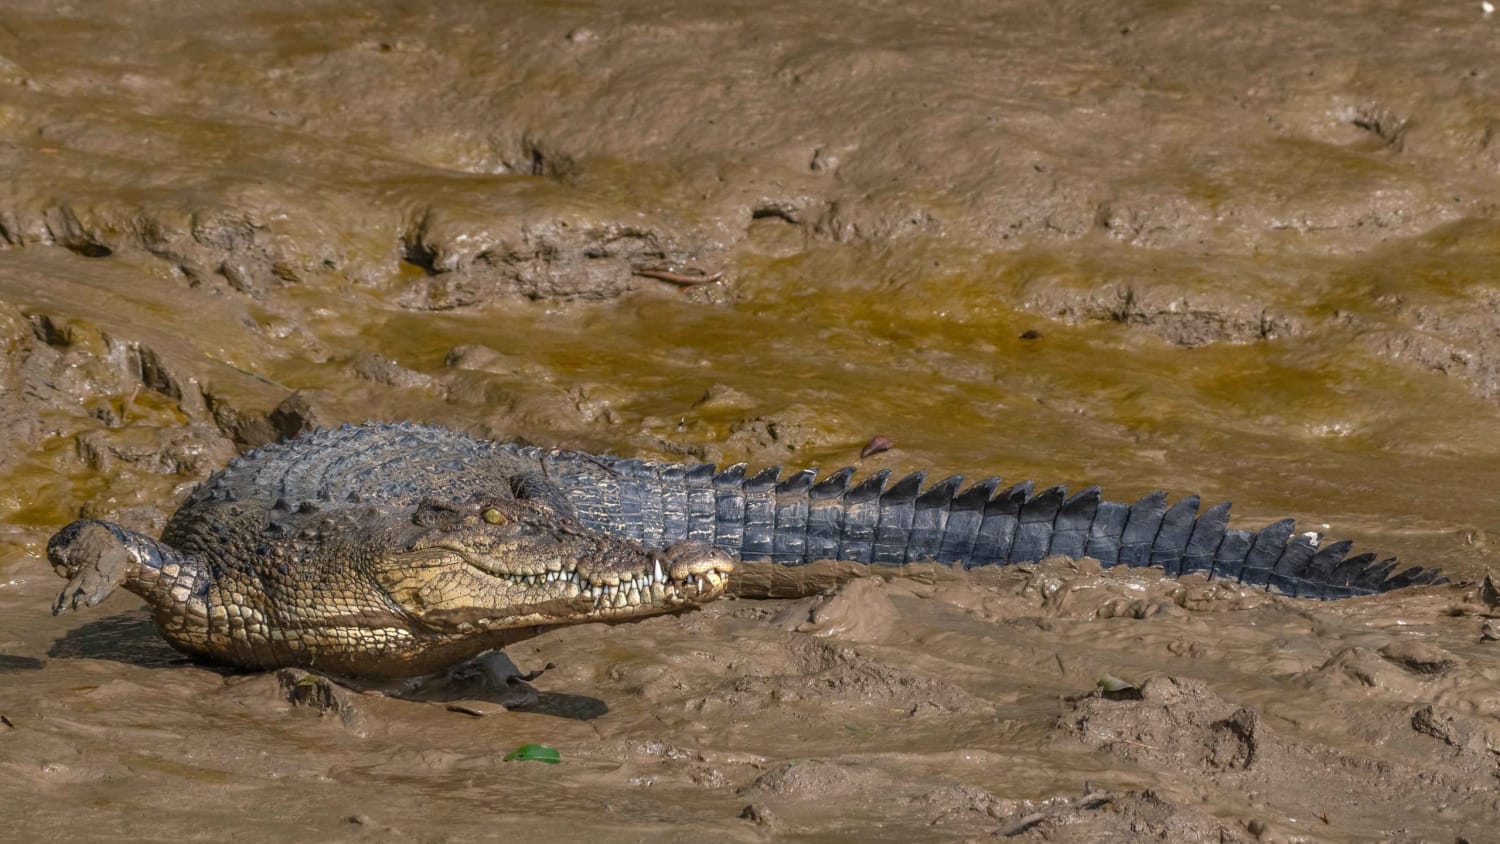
802,518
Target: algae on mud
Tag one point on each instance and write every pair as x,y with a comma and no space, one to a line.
1256,244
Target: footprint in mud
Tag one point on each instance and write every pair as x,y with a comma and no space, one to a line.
1334,770
1168,722
857,611
1405,670
1128,816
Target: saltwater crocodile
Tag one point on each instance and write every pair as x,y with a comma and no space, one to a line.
388,550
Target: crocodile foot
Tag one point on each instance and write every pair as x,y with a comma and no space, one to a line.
486,684
94,561
492,677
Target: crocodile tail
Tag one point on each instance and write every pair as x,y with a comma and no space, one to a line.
801,518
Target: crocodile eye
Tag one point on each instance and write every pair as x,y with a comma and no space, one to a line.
494,516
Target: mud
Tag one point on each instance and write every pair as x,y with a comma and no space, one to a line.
1246,252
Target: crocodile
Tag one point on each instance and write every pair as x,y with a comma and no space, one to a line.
392,550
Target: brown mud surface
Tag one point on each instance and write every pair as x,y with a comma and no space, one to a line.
1245,251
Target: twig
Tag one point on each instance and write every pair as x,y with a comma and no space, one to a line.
678,278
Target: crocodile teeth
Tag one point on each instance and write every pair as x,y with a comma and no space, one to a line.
659,576
634,596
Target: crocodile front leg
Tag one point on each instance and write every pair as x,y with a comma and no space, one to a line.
99,557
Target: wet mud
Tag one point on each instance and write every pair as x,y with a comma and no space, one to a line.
1242,252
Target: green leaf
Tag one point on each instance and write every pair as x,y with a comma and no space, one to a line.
1111,683
534,753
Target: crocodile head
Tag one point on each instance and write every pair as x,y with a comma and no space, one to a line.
493,565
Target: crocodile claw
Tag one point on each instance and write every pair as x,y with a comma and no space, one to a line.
94,561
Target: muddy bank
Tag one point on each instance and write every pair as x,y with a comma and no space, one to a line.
1241,252
893,711
1187,160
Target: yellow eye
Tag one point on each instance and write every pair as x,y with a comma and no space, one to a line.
494,516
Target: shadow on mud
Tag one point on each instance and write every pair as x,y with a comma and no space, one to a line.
11,662
131,638
572,707
476,686
128,637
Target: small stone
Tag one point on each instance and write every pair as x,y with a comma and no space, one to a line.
723,397
1428,721
476,357
297,415
759,815
1489,631
379,369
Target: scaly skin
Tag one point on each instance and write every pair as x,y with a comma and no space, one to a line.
377,552
396,550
